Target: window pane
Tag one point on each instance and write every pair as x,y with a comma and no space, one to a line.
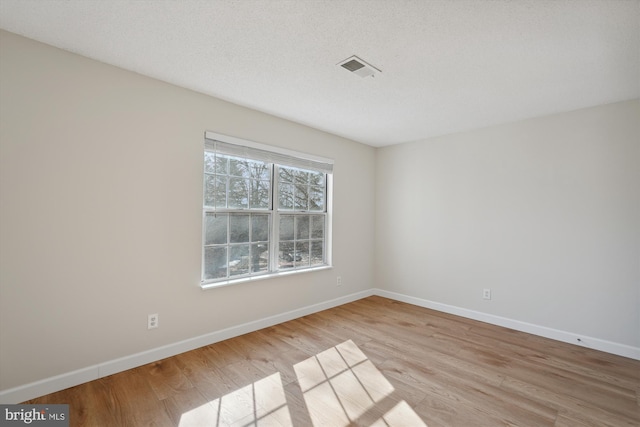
238,193
302,227
285,196
301,177
209,190
239,167
259,257
317,178
238,228
286,227
317,226
316,199
215,263
215,163
301,198
301,254
215,229
259,228
261,170
317,253
222,165
221,191
286,257
209,162
285,174
238,260
259,194
308,192
215,189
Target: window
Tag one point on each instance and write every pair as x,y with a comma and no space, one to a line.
265,210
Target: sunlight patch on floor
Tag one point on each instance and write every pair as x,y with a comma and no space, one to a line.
400,415
341,384
341,387
260,403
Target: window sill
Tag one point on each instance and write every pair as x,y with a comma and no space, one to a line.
207,286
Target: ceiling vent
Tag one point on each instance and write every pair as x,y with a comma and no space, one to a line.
359,67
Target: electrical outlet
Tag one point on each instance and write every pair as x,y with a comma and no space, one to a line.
153,321
486,294
339,281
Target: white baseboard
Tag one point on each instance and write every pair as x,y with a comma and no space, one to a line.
543,331
70,379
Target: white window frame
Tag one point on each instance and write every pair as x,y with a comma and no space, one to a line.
299,159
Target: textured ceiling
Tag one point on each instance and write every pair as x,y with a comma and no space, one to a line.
447,66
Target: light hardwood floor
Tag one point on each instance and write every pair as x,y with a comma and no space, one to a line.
373,362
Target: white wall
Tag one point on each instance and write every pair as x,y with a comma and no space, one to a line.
545,212
100,218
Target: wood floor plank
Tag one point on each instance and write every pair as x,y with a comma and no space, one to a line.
165,378
307,341
373,362
570,407
90,404
132,402
572,386
283,363
206,376
479,398
359,333
434,359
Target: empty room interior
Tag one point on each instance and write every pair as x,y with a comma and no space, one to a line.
321,213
